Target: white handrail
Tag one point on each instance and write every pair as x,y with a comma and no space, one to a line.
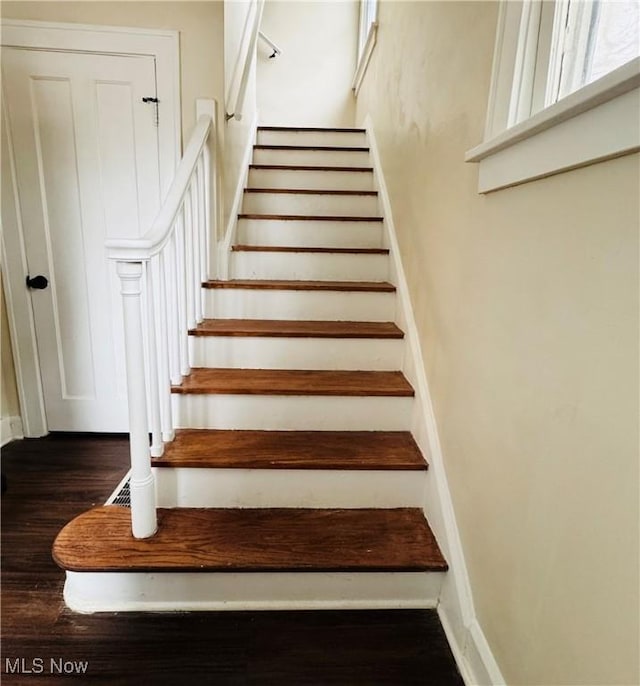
161,277
234,105
156,238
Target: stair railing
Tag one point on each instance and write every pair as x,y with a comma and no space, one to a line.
246,51
161,275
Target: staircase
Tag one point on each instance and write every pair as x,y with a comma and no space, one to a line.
295,481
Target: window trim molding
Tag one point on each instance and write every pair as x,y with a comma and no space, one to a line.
363,63
614,84
596,122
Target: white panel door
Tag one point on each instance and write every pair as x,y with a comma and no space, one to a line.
86,163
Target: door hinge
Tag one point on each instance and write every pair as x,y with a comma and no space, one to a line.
155,102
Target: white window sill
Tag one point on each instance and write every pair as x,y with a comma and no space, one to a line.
367,51
598,122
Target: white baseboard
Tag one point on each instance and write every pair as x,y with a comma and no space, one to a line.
224,247
478,656
10,430
474,658
469,646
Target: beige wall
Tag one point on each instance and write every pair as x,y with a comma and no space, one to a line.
310,83
201,36
526,302
9,395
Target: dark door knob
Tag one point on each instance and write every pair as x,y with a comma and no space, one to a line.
38,282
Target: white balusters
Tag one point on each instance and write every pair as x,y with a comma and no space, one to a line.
183,340
187,223
203,226
161,279
195,238
157,447
164,382
206,164
173,319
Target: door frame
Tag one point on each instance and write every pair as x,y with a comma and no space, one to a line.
164,46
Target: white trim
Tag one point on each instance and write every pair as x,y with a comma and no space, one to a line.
609,87
455,607
557,40
470,678
479,657
474,657
595,123
209,107
224,247
157,236
525,59
363,63
10,430
116,40
504,52
80,28
288,488
605,132
234,101
215,591
164,46
20,317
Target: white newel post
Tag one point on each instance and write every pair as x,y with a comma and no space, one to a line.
143,496
160,281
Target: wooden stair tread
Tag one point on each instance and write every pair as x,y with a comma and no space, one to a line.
280,284
304,249
321,148
296,328
307,167
226,381
320,129
309,191
309,217
356,450
251,540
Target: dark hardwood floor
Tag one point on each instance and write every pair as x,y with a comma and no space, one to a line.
53,479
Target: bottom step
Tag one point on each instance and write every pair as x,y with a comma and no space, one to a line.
251,540
250,559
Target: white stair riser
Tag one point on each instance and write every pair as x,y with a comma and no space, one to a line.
309,266
317,180
323,138
291,413
296,353
173,591
232,488
309,234
246,303
311,204
316,158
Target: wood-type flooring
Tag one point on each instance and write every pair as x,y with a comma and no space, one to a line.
53,479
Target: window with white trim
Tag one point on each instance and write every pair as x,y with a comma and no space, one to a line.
590,39
568,65
368,16
367,34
